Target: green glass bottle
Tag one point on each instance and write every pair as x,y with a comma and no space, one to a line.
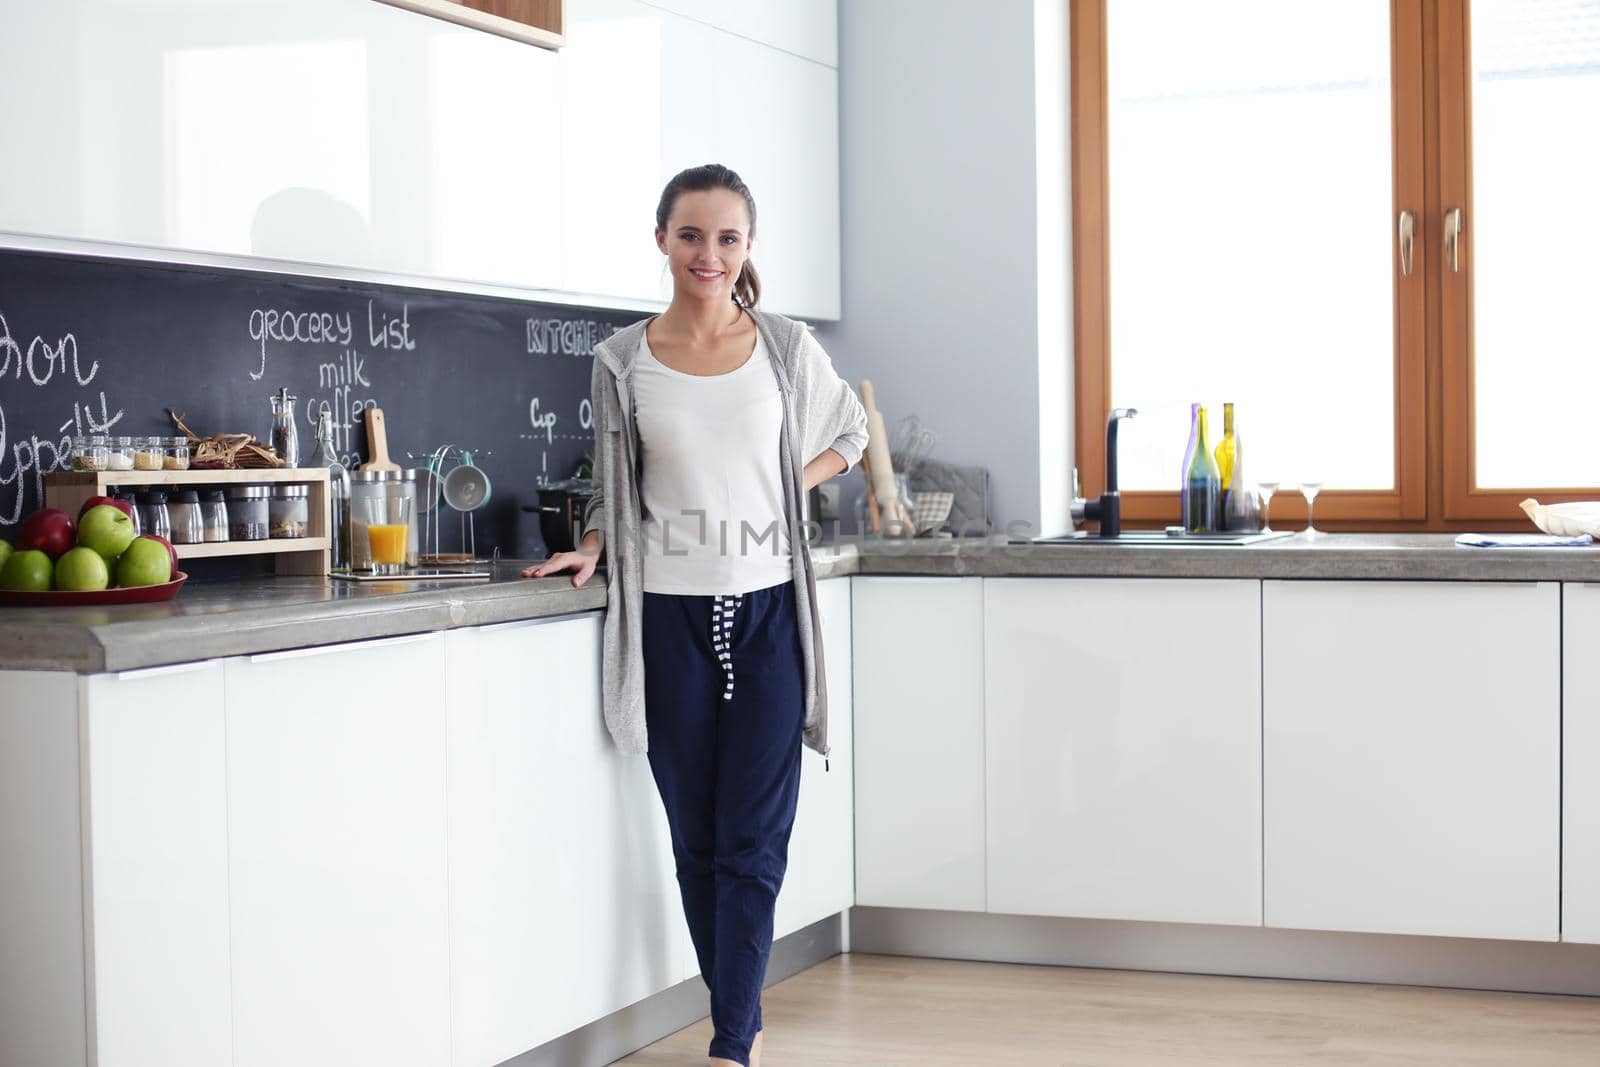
1227,451
1202,486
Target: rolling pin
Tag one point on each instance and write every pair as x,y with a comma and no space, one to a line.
897,523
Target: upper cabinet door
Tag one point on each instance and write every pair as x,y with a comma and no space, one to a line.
1580,782
1412,757
1123,744
807,28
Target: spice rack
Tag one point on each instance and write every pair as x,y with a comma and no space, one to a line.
68,490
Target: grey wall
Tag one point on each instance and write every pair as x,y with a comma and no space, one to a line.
953,140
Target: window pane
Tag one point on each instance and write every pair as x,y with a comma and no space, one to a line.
1251,212
1535,236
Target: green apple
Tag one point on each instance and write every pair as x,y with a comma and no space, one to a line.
28,571
82,569
144,563
6,548
107,530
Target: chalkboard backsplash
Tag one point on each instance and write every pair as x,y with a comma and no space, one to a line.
92,345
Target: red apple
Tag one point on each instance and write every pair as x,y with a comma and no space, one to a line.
126,506
50,530
172,553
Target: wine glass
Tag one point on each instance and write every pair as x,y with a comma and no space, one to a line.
1266,489
1309,491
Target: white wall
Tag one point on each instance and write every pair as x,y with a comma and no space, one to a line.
955,243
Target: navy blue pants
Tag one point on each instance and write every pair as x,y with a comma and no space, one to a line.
724,708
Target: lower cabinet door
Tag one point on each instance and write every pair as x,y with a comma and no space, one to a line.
820,880
336,811
156,818
1123,748
1580,819
918,662
1413,757
564,906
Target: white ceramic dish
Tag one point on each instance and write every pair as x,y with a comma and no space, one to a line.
1565,520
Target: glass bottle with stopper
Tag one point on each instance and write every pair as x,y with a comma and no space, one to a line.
323,455
285,437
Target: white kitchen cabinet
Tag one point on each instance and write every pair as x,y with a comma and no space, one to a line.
635,113
157,816
918,661
1412,757
820,880
564,905
1123,748
806,28
1580,811
336,830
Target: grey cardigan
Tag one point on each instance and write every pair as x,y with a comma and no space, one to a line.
820,411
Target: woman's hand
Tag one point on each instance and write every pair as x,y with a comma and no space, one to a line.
583,563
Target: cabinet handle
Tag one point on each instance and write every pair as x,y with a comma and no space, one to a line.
1408,230
1454,226
344,646
166,668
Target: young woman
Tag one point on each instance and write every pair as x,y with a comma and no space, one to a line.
712,421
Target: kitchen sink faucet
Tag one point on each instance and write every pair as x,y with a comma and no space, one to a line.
1107,511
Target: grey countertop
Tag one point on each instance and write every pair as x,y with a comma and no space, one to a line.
209,620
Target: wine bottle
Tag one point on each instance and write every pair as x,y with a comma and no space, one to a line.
1243,506
1202,487
1226,450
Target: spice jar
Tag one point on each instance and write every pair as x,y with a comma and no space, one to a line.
87,454
153,516
147,453
176,456
247,512
290,510
123,492
214,515
183,510
119,454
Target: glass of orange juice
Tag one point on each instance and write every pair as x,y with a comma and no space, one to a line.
387,518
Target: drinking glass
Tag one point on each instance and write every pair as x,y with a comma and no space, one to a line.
1266,489
1309,491
387,519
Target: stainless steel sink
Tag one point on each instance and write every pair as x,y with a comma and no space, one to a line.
1170,538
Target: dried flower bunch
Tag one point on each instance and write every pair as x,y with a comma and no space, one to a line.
224,451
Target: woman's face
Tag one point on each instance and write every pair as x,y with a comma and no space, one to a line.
706,242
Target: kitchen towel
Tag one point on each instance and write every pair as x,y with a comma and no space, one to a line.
1477,540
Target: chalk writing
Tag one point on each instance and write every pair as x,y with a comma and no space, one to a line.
297,327
562,337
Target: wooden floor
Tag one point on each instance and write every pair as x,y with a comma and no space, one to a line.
860,1009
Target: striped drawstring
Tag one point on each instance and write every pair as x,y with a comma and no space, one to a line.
722,609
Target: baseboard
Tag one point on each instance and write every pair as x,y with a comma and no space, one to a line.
1462,963
623,1032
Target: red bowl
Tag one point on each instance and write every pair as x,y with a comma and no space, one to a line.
138,594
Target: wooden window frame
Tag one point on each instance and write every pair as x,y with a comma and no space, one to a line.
1430,67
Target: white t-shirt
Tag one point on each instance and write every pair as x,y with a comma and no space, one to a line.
709,482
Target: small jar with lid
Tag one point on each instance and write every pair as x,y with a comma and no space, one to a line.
290,510
153,515
183,509
175,455
87,454
213,515
248,512
119,453
147,452
128,494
